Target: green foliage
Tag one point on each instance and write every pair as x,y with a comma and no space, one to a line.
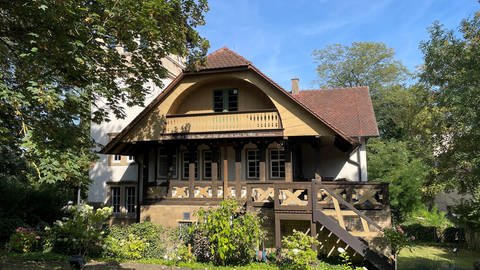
391,161
29,205
142,240
129,247
467,214
227,234
65,63
361,64
24,240
432,218
81,231
299,253
451,70
397,239
346,260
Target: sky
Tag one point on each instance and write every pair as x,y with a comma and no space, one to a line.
279,36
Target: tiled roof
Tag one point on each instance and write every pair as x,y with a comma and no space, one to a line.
225,58
348,109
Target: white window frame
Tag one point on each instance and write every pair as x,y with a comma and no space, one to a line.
174,164
130,199
117,158
256,165
279,160
116,199
131,159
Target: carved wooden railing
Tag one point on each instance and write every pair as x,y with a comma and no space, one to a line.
205,190
332,204
364,196
218,122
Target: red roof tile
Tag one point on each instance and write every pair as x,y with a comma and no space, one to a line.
225,58
348,109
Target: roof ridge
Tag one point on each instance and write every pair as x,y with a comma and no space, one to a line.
336,88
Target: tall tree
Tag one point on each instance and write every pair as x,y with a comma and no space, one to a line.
57,58
369,64
452,69
361,64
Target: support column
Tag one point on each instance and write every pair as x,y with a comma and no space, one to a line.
215,162
191,170
288,162
262,148
278,235
238,170
225,173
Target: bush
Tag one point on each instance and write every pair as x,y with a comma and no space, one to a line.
81,232
139,240
226,235
24,240
299,253
397,239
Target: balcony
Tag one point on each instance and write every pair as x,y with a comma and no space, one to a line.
222,122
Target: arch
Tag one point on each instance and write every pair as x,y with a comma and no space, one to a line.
198,98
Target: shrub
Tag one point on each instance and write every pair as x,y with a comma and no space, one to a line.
81,232
397,239
129,247
227,234
299,253
138,240
24,240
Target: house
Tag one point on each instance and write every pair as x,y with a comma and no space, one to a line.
229,131
119,172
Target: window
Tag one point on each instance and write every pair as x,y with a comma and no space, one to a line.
207,164
253,164
186,161
117,158
163,168
115,199
225,100
123,199
131,158
277,163
130,199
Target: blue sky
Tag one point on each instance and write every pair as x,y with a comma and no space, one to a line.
279,36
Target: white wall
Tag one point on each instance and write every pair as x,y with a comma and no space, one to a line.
101,172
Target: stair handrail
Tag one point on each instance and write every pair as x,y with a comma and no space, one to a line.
342,201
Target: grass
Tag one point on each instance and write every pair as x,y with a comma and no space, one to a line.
421,256
434,256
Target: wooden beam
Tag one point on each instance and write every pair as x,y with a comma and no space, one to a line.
225,173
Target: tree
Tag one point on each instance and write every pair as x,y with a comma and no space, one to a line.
451,69
361,64
57,58
391,161
65,63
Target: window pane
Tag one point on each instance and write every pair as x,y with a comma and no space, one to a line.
130,199
277,163
162,166
207,164
218,101
232,100
115,199
253,164
186,163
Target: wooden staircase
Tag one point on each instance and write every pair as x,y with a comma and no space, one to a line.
335,223
334,207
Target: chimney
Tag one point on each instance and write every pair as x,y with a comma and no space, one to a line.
295,89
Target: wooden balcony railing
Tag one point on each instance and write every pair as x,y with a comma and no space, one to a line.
220,122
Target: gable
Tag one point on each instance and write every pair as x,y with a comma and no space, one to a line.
193,95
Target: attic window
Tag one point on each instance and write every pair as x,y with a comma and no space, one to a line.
225,100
